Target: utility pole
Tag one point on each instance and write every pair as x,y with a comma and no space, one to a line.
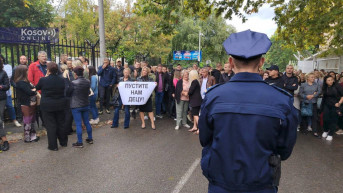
102,31
199,47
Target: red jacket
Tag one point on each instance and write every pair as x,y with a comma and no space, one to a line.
35,72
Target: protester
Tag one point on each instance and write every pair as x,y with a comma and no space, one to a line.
115,122
309,93
148,106
332,100
53,105
26,95
165,101
161,79
177,77
137,71
333,75
70,69
63,59
85,63
182,100
173,82
274,77
302,78
265,75
291,81
216,73
36,71
68,115
9,102
195,99
227,75
22,62
108,78
119,69
195,67
79,104
206,81
4,86
92,99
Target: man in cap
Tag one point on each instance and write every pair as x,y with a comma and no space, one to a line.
119,69
245,136
274,77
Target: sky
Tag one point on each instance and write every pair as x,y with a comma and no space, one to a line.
261,22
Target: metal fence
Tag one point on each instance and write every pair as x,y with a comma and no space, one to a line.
13,51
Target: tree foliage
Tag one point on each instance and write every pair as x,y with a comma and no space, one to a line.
279,54
311,23
24,13
78,20
172,11
302,23
214,32
134,36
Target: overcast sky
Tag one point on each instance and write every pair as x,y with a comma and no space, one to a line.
261,22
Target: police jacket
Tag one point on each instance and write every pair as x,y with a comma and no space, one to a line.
79,91
240,133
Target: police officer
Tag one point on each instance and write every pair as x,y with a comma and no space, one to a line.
245,136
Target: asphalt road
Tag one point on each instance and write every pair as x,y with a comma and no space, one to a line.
148,161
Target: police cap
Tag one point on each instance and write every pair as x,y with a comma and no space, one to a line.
247,44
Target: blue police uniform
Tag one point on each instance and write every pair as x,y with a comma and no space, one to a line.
242,124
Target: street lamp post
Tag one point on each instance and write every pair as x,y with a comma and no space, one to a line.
200,34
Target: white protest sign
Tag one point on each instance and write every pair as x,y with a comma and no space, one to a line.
135,93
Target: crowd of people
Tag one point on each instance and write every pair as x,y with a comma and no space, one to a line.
67,92
318,96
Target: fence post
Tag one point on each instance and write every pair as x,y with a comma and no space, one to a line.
48,47
93,55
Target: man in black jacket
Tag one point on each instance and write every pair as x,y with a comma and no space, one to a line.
291,81
166,90
161,80
216,73
274,77
227,75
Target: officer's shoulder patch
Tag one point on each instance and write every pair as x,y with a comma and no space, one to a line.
213,87
282,90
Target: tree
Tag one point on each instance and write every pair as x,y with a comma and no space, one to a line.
279,54
78,20
24,13
133,36
214,30
311,23
172,11
301,23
